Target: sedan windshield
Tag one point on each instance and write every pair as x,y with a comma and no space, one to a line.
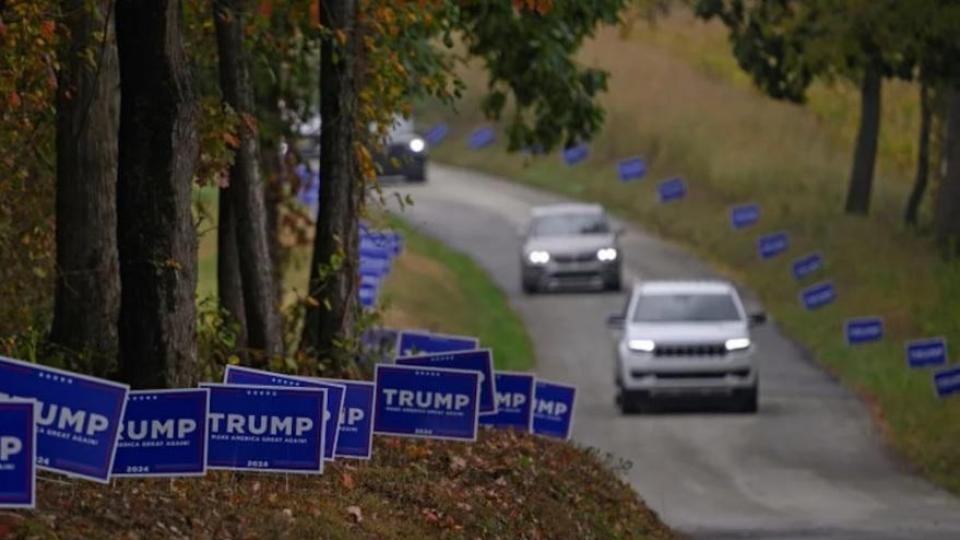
665,308
570,224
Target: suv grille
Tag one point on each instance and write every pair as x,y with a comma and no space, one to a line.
705,349
692,374
575,257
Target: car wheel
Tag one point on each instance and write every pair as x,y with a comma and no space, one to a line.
633,402
529,287
612,284
419,175
747,401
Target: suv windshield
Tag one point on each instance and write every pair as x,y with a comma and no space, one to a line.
570,224
686,308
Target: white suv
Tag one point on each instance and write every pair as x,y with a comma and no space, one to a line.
685,338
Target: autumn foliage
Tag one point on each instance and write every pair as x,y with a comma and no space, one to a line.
506,485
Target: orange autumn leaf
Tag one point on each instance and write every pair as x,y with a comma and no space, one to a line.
265,9
48,28
231,139
249,121
537,6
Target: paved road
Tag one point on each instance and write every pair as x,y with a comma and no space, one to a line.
809,465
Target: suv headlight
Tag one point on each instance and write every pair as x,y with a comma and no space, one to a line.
539,257
737,344
417,145
607,254
641,345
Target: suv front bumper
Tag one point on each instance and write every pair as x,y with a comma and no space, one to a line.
648,374
555,274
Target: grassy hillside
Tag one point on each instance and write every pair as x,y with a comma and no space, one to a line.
504,486
676,99
443,290
835,104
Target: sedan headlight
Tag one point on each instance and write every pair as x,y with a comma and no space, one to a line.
417,145
607,254
539,257
641,345
738,344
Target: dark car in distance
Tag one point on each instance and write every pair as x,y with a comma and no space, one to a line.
403,155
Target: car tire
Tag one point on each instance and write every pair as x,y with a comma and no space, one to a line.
747,401
419,175
529,287
633,402
613,284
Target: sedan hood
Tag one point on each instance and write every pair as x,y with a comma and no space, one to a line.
570,244
687,333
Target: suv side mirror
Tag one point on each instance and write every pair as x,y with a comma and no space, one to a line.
616,322
758,318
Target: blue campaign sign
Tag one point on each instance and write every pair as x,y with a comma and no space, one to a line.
929,352
78,417
412,342
673,189
817,296
863,330
392,241
369,249
481,138
335,397
164,433
430,403
266,428
804,266
947,382
744,215
437,134
356,422
395,243
553,409
773,244
514,401
368,295
374,267
576,154
370,281
633,168
479,360
18,453
309,193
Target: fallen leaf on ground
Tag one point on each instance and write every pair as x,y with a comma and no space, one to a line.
355,513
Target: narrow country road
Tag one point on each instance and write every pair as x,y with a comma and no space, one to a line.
809,465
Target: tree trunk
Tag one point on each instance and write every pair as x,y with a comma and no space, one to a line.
156,237
865,153
274,167
246,187
229,283
88,107
923,157
333,271
947,212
